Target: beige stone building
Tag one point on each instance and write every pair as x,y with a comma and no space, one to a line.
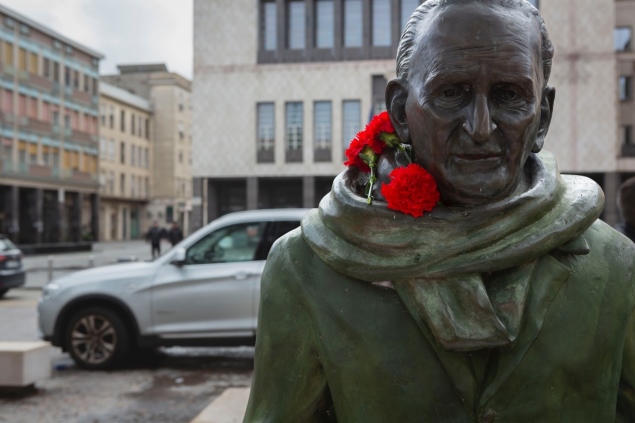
278,97
169,97
125,163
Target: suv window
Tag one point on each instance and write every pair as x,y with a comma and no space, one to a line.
230,244
274,231
6,245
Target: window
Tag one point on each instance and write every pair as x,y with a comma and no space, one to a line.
33,63
132,155
111,150
351,121
181,131
24,30
622,38
266,133
8,53
67,76
353,27
235,243
56,117
296,28
627,135
76,80
147,129
67,121
294,118
325,24
180,157
86,83
46,72
322,130
123,121
407,8
381,23
534,3
625,87
22,63
56,72
133,121
122,152
112,117
95,86
147,159
270,25
122,184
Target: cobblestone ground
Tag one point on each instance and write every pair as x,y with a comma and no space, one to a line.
170,386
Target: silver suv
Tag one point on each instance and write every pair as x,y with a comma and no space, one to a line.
205,291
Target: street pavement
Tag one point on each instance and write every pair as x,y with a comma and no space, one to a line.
103,253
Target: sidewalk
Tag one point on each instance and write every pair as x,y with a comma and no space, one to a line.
104,253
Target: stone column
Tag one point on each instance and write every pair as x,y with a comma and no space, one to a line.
64,234
94,216
38,224
212,201
12,210
197,204
308,192
252,193
76,218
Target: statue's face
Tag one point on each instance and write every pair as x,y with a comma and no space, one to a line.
474,100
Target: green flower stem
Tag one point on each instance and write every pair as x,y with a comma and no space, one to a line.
371,182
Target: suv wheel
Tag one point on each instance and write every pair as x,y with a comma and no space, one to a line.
96,338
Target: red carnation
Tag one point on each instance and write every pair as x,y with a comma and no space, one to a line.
381,123
411,190
371,137
352,154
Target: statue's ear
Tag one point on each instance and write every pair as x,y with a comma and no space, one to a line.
546,111
396,96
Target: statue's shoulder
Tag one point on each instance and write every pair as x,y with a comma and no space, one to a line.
615,245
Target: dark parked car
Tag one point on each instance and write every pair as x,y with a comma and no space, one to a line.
11,270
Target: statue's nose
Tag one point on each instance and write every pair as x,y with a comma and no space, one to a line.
478,122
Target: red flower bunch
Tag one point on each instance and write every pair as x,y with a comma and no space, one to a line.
367,145
412,190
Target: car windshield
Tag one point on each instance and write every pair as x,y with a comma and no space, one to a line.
6,245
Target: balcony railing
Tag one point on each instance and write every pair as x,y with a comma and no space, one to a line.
38,171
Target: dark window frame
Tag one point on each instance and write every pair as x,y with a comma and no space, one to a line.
264,155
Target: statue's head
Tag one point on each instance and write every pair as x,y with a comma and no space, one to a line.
471,94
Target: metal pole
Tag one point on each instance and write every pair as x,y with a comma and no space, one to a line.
50,268
91,261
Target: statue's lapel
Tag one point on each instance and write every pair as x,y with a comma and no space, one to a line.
547,279
462,320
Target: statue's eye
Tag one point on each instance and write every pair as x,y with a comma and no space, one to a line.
451,93
508,95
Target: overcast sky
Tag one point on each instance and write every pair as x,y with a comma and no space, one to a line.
124,31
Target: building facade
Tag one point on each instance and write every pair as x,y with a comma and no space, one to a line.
125,163
169,97
278,98
48,134
623,40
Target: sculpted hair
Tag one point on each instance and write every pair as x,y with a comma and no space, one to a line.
409,36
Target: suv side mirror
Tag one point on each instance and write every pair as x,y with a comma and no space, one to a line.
179,257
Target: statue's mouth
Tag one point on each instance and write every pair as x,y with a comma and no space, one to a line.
478,157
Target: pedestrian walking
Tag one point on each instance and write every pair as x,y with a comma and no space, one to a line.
175,234
154,237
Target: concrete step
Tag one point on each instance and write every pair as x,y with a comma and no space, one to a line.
24,363
229,407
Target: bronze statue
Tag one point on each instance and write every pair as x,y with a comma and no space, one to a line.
509,302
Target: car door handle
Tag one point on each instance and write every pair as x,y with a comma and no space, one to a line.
241,275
